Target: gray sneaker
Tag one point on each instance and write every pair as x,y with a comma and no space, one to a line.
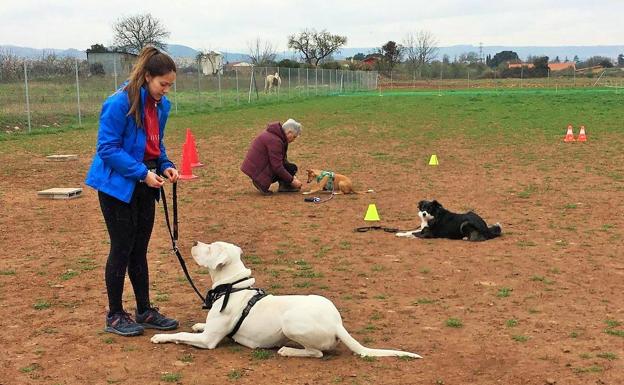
122,323
152,319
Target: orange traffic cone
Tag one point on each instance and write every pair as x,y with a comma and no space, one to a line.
569,135
190,139
186,172
582,137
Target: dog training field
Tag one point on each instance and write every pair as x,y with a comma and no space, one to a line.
542,304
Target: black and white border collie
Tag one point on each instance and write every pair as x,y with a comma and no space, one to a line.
438,222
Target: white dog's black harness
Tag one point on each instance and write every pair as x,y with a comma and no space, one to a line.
225,290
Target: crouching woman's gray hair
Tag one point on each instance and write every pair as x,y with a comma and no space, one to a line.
291,125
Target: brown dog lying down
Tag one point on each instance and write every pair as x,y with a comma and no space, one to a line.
331,182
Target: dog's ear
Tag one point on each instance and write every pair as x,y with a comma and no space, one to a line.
219,257
435,204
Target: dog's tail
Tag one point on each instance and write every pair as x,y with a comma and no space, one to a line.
344,336
495,230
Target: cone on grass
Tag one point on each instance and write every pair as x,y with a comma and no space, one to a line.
569,135
434,160
186,173
582,136
190,139
371,213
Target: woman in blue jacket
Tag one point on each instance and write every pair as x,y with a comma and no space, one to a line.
126,169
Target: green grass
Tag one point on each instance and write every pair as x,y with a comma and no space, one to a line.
519,338
42,304
30,368
504,292
510,323
454,323
171,377
261,354
69,274
235,374
607,356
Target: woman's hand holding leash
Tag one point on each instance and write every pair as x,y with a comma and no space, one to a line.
153,180
171,174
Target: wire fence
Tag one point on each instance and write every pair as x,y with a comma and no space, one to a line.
33,97
462,78
31,100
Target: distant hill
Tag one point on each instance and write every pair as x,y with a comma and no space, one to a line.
35,53
178,50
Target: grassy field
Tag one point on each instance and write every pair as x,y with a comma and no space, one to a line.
540,304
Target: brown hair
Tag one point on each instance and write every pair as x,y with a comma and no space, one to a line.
150,61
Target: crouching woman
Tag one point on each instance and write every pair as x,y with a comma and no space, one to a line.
266,161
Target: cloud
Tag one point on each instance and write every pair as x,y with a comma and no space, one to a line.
230,25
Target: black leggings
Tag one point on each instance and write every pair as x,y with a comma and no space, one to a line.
129,227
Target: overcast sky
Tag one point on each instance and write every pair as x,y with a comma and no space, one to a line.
229,25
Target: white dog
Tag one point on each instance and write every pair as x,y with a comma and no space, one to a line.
311,321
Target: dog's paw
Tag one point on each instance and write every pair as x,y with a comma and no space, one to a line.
407,234
159,338
198,327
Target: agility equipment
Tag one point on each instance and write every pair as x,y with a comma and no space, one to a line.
433,161
582,137
190,139
569,137
371,213
60,193
61,158
186,173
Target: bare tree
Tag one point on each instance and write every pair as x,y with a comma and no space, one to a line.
133,33
420,48
315,46
261,53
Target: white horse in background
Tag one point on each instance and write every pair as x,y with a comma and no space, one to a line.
272,81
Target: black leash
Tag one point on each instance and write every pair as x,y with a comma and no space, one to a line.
174,234
386,229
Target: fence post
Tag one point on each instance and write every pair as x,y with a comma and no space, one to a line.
279,84
27,97
115,73
288,82
198,83
78,95
220,94
307,82
316,81
251,80
237,94
175,96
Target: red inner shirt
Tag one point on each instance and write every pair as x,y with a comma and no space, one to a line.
152,129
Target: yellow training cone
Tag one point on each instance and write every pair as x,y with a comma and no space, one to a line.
434,160
371,213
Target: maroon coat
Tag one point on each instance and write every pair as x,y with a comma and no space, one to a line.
264,162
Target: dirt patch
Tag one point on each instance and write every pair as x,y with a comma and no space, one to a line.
528,307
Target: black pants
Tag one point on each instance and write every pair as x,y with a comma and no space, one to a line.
130,228
290,167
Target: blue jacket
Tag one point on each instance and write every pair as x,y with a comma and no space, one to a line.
118,162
